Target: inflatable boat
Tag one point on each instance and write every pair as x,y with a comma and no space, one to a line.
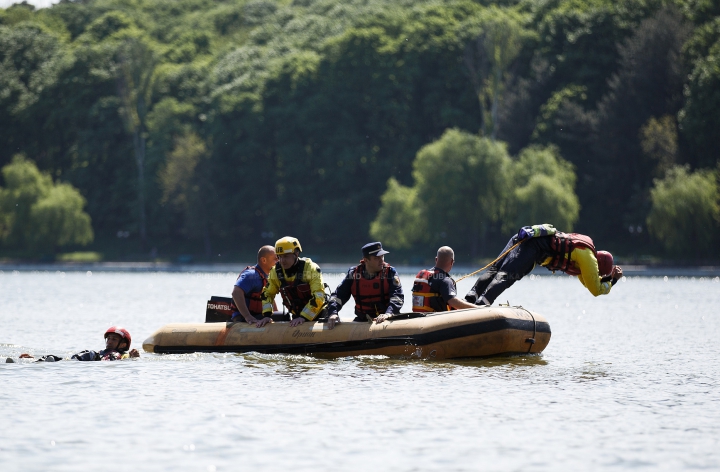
479,332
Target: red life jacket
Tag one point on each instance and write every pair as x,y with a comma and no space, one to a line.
296,294
372,296
255,305
562,245
424,299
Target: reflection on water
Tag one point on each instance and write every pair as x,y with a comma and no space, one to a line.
628,381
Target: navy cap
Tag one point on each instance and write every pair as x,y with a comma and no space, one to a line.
373,249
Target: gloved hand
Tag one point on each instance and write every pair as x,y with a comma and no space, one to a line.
471,296
525,233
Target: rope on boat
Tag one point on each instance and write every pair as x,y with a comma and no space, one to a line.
531,340
493,262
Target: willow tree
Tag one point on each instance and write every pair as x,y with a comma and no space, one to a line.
462,188
37,214
685,211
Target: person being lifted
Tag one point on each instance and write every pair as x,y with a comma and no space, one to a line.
374,285
434,289
247,292
572,253
298,281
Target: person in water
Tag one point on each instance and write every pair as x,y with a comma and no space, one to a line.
117,346
298,281
247,292
572,253
434,289
375,286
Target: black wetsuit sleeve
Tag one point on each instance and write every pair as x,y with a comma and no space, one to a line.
341,294
397,298
86,356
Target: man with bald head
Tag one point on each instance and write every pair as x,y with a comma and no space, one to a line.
434,289
247,293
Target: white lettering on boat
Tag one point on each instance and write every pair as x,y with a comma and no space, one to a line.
214,306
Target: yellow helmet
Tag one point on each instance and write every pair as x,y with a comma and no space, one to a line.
287,245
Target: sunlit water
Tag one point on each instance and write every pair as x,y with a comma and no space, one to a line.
628,381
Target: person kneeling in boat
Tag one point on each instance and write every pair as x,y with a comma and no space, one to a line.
298,281
434,289
375,286
117,344
247,292
571,253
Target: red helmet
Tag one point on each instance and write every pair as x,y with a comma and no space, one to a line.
122,332
605,263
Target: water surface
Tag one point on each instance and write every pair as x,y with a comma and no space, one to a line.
628,381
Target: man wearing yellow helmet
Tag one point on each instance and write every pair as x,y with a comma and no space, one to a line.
298,281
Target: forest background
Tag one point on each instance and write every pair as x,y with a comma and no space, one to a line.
202,129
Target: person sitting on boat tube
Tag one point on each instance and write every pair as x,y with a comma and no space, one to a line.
247,292
375,286
117,344
298,281
571,253
434,289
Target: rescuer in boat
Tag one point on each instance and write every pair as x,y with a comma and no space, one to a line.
374,285
571,253
299,282
247,292
117,344
434,289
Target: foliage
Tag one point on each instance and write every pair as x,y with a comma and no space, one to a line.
38,215
686,211
545,189
467,187
309,117
659,140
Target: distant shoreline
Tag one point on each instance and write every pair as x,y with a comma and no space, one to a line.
5,268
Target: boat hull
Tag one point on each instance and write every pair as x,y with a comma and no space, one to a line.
481,332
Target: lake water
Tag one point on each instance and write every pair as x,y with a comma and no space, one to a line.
628,381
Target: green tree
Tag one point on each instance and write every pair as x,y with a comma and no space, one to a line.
399,221
685,211
36,214
545,188
700,117
186,184
462,191
135,66
659,141
488,56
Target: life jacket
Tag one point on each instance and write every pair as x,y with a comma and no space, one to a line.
255,305
562,245
372,296
296,294
108,355
423,298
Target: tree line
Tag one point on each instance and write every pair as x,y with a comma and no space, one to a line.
212,127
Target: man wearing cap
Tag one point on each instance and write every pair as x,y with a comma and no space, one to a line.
374,285
571,253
